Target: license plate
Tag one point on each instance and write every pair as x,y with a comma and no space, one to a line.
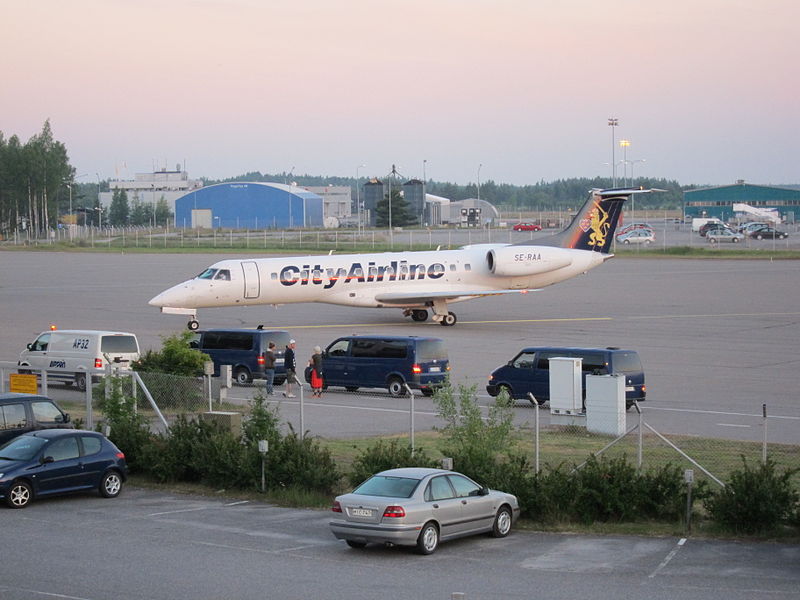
434,369
361,512
629,388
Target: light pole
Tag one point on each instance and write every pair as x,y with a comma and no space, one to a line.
624,145
613,122
479,180
358,198
286,182
633,162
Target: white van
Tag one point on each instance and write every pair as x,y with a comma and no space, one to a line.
70,355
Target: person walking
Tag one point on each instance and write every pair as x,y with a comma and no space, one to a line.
316,372
289,362
269,367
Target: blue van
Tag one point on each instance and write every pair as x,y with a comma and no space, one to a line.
386,362
244,350
529,371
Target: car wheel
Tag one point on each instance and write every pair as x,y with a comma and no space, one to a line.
242,376
428,539
396,387
735,240
354,544
626,241
19,495
759,237
80,381
781,236
351,388
427,392
502,522
111,485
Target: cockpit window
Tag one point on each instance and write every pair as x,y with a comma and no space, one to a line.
223,274
207,274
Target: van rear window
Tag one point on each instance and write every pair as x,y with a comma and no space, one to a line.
627,362
116,344
431,350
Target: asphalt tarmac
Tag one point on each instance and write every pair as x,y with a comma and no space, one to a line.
718,338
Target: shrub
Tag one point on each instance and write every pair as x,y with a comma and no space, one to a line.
606,490
756,500
387,455
175,357
129,430
302,462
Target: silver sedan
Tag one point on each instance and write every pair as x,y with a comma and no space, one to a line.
420,507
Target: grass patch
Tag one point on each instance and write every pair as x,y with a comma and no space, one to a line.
728,252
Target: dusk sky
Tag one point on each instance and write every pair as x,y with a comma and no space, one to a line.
515,91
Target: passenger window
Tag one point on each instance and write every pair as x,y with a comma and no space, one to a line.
526,360
438,489
463,486
339,348
63,449
46,412
364,348
543,362
91,444
594,364
12,416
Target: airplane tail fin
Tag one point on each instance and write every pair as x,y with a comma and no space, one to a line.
594,225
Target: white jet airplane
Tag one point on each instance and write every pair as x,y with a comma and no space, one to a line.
414,281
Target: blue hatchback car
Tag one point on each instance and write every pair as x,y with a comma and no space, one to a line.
59,461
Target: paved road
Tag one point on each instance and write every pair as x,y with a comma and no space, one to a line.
146,544
715,336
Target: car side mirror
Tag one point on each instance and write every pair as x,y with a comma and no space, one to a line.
47,459
66,418
510,363
30,346
484,491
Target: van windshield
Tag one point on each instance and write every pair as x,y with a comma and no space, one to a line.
116,344
431,350
627,362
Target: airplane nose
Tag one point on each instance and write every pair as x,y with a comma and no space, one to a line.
157,300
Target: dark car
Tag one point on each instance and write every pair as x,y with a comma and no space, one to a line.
244,350
21,413
390,362
527,227
59,461
768,233
712,226
529,372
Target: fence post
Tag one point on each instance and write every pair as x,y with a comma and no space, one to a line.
535,432
411,416
89,414
764,445
640,443
301,387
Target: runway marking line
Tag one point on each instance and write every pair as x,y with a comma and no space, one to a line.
668,558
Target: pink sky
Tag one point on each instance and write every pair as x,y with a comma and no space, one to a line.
705,90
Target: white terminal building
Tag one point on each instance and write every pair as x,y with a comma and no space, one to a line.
149,188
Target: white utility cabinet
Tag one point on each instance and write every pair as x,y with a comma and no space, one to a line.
566,385
605,404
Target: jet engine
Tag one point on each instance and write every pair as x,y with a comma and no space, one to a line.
515,261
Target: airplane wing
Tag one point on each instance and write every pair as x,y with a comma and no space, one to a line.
423,297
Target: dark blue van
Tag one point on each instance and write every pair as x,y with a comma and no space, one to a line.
529,371
386,362
244,350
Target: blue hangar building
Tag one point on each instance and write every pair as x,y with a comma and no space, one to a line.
245,205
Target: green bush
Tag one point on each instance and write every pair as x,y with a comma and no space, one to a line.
130,431
175,357
755,500
302,462
387,455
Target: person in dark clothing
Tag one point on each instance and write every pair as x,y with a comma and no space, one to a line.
316,372
289,362
269,367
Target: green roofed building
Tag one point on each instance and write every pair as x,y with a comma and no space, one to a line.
719,201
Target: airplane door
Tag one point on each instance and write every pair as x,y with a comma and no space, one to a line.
252,280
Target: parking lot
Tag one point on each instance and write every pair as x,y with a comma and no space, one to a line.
148,544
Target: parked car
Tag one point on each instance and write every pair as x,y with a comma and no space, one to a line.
767,232
525,226
21,413
713,226
420,507
529,371
633,226
72,355
747,228
637,236
715,236
390,362
59,461
244,350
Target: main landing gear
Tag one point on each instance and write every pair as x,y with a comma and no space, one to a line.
419,315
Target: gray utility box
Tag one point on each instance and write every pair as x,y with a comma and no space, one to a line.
232,421
605,404
566,391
